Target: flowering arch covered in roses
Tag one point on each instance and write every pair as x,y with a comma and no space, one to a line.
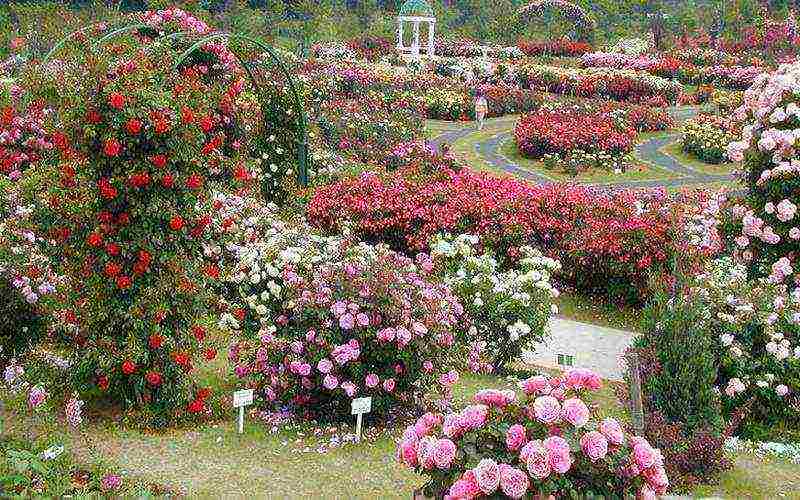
584,24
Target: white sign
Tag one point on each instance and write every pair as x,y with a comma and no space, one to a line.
361,405
242,398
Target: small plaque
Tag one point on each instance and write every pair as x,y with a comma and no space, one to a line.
242,398
361,405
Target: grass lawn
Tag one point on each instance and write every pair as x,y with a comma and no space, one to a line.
676,151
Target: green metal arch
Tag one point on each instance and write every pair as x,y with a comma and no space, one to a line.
302,150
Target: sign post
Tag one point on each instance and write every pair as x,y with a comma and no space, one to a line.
240,400
359,407
637,405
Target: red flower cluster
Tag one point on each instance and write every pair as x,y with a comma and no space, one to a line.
603,240
563,130
558,48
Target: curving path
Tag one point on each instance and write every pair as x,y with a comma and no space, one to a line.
648,151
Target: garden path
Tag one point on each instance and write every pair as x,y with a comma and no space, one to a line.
649,151
595,347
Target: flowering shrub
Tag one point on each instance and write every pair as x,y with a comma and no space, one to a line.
631,46
371,48
139,150
460,104
757,344
620,85
547,444
509,309
766,228
606,241
707,137
322,320
558,48
23,139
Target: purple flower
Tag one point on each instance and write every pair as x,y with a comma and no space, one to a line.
346,321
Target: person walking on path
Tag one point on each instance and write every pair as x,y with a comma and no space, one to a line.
481,107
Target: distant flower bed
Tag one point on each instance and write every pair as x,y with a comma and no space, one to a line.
549,443
620,85
707,137
459,104
572,135
609,242
557,48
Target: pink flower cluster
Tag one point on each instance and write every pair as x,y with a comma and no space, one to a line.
547,442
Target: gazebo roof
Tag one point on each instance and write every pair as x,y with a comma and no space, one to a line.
418,8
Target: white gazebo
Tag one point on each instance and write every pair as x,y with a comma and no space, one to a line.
415,12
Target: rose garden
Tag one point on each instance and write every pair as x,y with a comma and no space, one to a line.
596,294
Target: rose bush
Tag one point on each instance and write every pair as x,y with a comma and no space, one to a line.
23,138
707,137
547,444
320,321
508,310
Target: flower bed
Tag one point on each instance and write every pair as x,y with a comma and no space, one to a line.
557,48
460,104
610,242
547,444
620,85
707,137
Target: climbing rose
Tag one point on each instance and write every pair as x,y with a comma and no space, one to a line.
594,445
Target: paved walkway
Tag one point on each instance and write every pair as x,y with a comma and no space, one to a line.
649,151
595,347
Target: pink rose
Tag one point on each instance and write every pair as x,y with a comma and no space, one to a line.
594,445
427,366
324,366
644,455
347,321
408,453
534,385
576,412
349,388
612,431
656,477
537,462
388,385
516,437
466,487
372,380
487,474
547,410
330,382
362,319
444,453
425,447
558,454
473,417
452,425
513,482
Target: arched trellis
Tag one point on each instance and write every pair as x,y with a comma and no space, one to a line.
579,17
302,139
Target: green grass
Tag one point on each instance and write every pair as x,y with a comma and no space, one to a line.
676,151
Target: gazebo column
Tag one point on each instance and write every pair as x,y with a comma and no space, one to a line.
431,43
400,35
415,47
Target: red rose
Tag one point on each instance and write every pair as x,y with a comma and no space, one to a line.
140,180
112,147
128,367
93,117
94,240
212,271
199,332
139,268
155,341
60,141
116,100
210,354
168,181
196,406
124,282
153,378
160,316
176,223
204,394
239,313
206,123
194,182
123,219
113,269
159,161
133,126
187,115
102,382
104,217
112,249
145,257
161,126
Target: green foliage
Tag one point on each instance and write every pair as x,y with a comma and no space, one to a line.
21,326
